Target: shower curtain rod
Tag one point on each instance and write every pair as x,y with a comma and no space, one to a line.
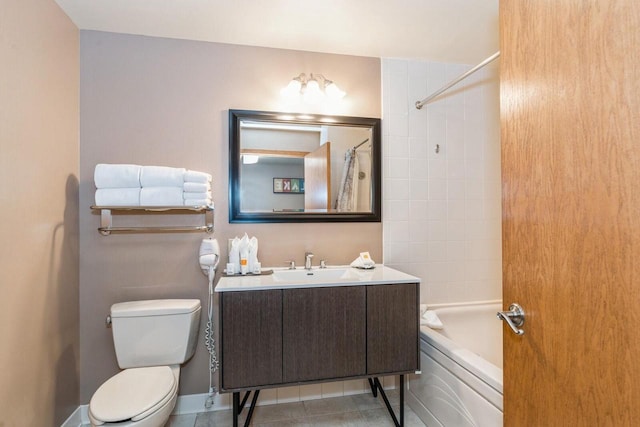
357,146
420,104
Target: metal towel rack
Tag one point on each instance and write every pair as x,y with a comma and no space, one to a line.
106,218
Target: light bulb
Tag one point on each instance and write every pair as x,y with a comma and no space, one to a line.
292,90
312,93
334,92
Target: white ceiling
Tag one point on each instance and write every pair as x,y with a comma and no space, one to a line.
461,31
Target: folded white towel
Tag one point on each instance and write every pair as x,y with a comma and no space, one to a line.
118,197
161,196
423,308
116,176
430,318
363,261
196,187
195,176
161,176
205,195
198,202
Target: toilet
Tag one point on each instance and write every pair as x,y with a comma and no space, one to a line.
152,338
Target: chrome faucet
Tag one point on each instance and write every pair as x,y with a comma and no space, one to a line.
307,260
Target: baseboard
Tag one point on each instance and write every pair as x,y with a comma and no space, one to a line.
75,419
195,403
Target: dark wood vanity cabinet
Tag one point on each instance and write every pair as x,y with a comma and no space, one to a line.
279,337
251,338
392,328
324,333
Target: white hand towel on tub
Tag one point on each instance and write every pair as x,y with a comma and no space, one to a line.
117,176
198,202
161,196
118,197
430,318
195,176
196,187
161,176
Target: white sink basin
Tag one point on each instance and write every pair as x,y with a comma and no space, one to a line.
315,275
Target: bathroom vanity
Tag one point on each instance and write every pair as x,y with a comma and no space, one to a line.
300,327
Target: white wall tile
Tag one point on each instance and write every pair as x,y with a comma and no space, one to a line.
419,168
288,394
437,189
396,146
333,389
420,189
397,189
418,146
398,167
442,214
310,392
355,387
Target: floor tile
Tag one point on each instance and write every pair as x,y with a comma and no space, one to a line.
186,420
382,418
334,405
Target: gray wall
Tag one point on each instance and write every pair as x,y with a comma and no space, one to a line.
156,101
39,165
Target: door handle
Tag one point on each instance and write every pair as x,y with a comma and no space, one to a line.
514,318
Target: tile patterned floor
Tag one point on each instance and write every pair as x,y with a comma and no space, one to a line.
362,410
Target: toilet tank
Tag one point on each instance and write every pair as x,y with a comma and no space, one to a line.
155,332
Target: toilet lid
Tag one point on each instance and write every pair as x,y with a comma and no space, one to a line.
133,394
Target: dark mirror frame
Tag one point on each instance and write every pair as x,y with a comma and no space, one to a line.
236,216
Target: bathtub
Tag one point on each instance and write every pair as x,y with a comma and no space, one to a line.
461,364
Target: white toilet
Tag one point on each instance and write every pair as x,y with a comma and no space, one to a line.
152,338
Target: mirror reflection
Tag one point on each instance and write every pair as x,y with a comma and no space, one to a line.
307,168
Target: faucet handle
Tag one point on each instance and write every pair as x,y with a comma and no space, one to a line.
323,264
292,265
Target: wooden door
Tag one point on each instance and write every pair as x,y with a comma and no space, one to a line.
570,126
317,178
323,333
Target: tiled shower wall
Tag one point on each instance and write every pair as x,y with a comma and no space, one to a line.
441,191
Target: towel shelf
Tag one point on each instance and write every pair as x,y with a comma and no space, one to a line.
106,219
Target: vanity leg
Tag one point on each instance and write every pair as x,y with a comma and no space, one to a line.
236,404
402,400
378,386
374,390
251,408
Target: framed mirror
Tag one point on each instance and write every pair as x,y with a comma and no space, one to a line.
287,167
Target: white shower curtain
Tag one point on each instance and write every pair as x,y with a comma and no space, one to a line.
348,191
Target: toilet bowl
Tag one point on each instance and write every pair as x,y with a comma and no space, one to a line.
146,333
142,397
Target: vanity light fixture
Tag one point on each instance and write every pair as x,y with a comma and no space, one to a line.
312,89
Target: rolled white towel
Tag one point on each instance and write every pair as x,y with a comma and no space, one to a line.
161,176
430,318
205,195
117,176
161,196
196,187
195,176
118,197
198,202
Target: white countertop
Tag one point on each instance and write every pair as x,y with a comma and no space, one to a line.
348,276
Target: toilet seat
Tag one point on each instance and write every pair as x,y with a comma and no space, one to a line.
133,394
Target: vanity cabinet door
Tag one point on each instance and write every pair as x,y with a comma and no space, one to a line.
392,328
324,333
251,338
